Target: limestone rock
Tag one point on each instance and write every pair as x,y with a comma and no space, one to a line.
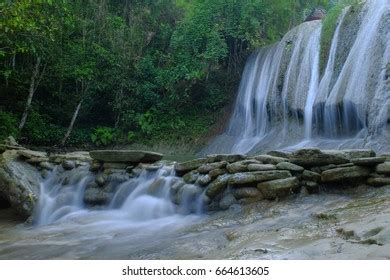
225,157
216,172
378,181
344,173
184,167
218,185
128,156
241,166
203,180
227,201
68,165
19,183
191,177
289,166
206,168
268,159
256,177
28,154
371,161
278,188
383,168
94,196
261,167
75,156
359,153
246,192
315,157
114,165
311,176
46,165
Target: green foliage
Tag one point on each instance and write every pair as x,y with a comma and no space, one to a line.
8,125
103,136
328,28
155,70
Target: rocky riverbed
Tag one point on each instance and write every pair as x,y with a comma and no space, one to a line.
304,204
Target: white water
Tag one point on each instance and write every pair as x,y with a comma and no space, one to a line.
284,103
146,199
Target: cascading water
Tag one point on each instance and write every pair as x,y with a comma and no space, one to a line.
285,101
147,198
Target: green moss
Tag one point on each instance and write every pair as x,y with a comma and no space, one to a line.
329,25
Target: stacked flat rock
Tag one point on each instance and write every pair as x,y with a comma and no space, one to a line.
243,179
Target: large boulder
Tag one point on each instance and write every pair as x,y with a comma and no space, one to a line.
130,156
344,174
19,183
315,157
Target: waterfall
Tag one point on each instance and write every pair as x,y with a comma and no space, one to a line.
148,197
285,101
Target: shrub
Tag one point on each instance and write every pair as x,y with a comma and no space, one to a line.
103,136
8,125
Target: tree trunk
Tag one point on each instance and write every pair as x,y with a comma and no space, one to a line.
70,128
31,91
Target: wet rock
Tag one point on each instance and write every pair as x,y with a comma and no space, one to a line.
279,154
359,153
216,172
46,165
225,157
203,180
95,166
241,166
101,179
94,196
278,188
114,165
28,154
19,183
386,155
268,159
75,156
371,161
227,201
378,181
344,173
256,177
383,168
37,160
191,177
68,165
128,156
315,157
311,176
187,166
218,185
206,168
177,186
289,166
246,192
261,167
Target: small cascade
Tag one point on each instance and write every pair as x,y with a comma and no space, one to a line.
285,101
145,198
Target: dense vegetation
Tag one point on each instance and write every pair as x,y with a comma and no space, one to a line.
76,72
